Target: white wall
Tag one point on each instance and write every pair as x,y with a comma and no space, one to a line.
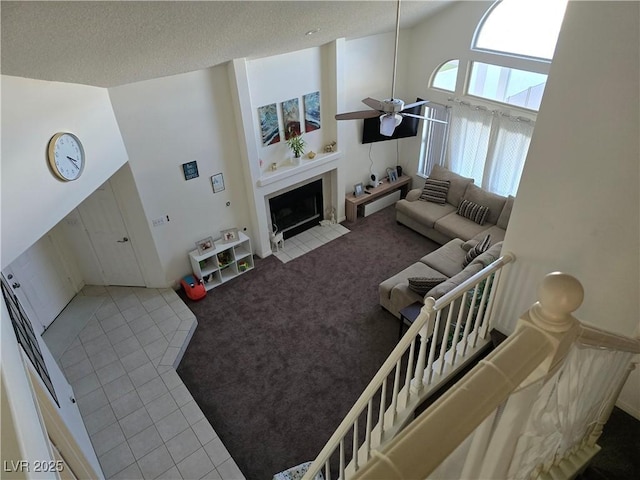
578,205
284,77
368,71
170,121
33,200
31,433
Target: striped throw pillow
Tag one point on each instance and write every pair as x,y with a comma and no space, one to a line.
473,211
421,285
435,191
480,247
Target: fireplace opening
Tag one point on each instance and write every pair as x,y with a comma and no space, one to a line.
298,210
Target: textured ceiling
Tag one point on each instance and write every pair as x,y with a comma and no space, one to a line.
117,42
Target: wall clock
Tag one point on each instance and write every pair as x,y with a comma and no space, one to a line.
66,156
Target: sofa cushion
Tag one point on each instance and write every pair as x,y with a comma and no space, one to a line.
503,219
446,259
489,256
494,202
413,194
435,191
480,247
448,285
422,285
455,226
426,213
458,183
417,269
473,211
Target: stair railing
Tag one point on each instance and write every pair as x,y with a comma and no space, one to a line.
533,408
461,322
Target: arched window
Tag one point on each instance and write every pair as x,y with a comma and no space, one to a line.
511,51
527,28
445,76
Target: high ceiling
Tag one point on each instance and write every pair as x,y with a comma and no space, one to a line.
109,43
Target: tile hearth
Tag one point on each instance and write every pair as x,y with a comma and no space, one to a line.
308,240
142,420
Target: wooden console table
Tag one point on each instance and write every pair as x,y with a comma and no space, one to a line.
351,201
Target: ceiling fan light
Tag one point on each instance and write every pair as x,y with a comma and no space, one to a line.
388,123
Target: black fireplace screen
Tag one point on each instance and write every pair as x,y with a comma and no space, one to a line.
297,210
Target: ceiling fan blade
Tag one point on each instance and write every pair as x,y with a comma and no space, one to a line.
358,114
415,104
373,103
404,114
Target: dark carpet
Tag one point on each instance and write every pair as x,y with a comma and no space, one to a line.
281,353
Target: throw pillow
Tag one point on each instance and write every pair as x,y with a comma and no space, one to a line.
422,285
435,191
473,211
481,247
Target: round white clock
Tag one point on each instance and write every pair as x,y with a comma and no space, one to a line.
66,156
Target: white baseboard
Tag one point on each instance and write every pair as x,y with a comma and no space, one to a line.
627,407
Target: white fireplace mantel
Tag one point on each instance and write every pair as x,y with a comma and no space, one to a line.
284,172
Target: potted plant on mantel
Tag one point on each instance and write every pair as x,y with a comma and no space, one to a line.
296,143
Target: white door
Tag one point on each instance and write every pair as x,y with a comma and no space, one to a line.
40,281
111,242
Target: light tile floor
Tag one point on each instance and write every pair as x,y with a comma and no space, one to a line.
141,419
308,240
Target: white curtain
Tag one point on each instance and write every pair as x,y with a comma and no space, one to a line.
468,141
488,147
507,154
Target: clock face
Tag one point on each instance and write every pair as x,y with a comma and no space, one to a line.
66,156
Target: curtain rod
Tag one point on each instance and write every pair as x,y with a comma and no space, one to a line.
514,118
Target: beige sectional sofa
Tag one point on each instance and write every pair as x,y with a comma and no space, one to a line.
441,223
446,262
457,234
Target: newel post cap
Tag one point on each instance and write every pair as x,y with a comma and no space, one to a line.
559,295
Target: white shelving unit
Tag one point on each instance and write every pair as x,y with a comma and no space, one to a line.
223,262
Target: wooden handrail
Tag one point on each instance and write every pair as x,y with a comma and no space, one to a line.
457,292
596,337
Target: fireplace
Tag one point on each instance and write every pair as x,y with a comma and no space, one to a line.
297,210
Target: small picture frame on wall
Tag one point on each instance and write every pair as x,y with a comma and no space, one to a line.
217,182
229,235
205,245
190,170
358,189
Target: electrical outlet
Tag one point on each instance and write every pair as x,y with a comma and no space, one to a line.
158,221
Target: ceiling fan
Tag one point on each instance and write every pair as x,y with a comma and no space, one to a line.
391,110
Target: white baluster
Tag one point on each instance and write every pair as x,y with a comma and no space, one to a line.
407,380
396,390
383,407
369,428
467,325
418,381
327,470
481,310
445,338
342,462
355,446
432,350
456,332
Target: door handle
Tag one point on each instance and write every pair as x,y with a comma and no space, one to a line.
15,285
124,240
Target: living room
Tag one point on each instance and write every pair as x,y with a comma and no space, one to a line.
549,230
